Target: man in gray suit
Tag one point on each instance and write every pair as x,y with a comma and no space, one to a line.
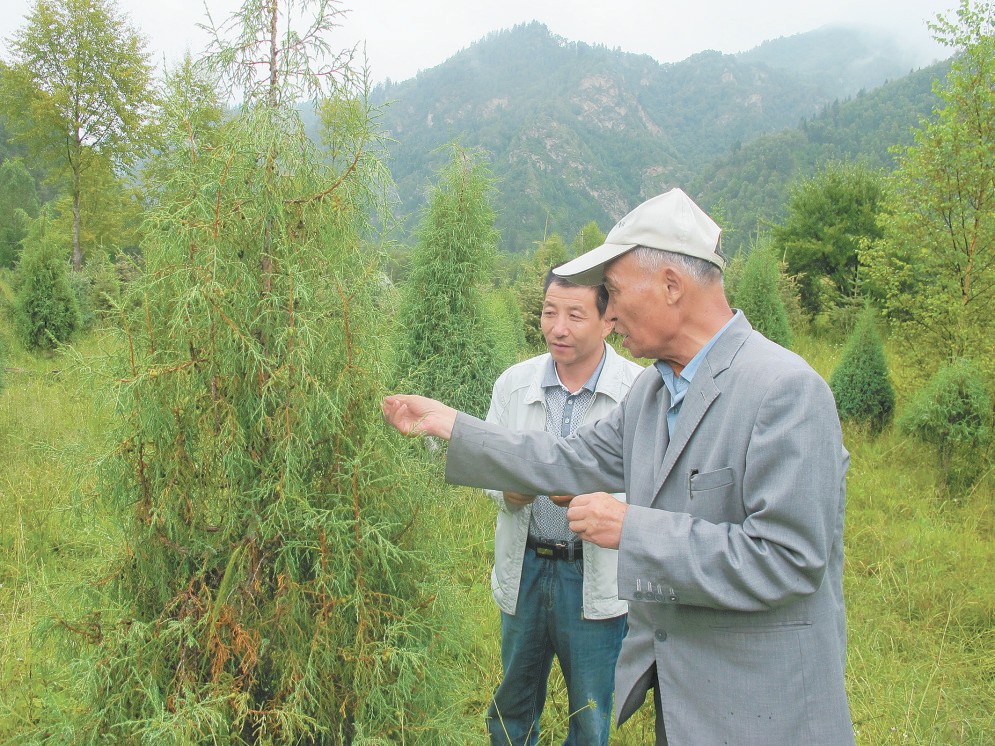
729,448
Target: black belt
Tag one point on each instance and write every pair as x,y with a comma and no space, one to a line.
565,550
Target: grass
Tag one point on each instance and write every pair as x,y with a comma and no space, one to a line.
919,576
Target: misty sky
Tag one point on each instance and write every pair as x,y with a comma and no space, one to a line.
402,37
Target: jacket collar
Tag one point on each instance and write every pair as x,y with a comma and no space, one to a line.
609,382
702,392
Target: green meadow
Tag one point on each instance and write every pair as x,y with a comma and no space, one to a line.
920,580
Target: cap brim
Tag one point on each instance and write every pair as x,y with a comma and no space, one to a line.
589,268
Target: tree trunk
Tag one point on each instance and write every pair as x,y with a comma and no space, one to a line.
77,251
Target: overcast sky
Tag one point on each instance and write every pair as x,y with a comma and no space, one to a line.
402,37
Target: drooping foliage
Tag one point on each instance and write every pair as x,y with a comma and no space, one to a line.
758,295
447,347
46,311
936,262
953,413
859,382
280,584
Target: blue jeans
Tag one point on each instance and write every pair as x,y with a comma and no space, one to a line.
549,621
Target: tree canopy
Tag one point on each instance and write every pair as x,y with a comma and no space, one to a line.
936,261
79,91
828,217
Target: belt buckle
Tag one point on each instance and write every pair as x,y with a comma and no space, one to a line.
567,550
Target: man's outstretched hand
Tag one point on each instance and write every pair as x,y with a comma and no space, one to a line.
419,415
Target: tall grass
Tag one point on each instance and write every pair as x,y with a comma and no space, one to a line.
919,577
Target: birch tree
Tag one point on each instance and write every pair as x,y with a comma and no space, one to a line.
80,90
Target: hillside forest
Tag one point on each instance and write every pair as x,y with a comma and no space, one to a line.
211,275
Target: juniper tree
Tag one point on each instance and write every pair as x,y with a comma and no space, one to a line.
860,380
279,585
448,347
758,296
549,253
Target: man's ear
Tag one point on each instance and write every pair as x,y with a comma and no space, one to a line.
608,326
674,283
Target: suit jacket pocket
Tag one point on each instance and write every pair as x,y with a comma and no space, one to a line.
711,497
710,480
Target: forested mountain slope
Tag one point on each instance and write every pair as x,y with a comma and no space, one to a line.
575,132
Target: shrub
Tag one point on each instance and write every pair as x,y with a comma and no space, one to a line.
953,412
860,380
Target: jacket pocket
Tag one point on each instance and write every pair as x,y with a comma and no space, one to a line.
710,480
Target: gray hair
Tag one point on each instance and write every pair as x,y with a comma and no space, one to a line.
701,271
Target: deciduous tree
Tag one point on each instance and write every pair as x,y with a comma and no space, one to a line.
936,262
79,89
589,237
828,217
953,413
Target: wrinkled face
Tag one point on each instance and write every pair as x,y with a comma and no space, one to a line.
637,304
573,329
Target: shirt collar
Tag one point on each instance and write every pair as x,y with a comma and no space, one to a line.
687,374
552,378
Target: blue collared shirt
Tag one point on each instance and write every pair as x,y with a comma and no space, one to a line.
678,385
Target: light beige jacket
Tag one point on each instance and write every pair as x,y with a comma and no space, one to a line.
518,402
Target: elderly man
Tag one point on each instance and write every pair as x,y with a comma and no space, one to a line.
730,452
557,596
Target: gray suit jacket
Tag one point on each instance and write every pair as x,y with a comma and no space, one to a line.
732,547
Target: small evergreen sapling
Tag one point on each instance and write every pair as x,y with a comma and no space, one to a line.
860,380
280,584
449,346
758,295
46,311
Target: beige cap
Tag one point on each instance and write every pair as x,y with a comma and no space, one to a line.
670,221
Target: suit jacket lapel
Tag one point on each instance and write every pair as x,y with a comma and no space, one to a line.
700,396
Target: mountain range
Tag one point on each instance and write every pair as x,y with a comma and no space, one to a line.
574,132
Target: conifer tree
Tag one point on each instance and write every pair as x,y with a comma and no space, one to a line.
46,312
550,252
448,349
19,205
860,380
280,585
758,295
